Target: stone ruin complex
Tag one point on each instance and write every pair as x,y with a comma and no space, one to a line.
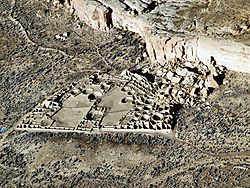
186,67
144,100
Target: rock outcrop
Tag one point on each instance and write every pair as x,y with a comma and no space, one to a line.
95,14
167,31
233,55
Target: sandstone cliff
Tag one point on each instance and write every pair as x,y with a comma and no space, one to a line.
175,28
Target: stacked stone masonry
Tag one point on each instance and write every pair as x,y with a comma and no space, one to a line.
144,100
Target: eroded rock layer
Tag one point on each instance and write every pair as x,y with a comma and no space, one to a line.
167,30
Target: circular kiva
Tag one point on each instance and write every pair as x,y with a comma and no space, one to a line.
125,88
94,95
157,117
127,100
105,86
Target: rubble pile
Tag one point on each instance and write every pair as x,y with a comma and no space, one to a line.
187,84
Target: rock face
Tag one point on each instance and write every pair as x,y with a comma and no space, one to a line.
235,56
95,14
166,29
